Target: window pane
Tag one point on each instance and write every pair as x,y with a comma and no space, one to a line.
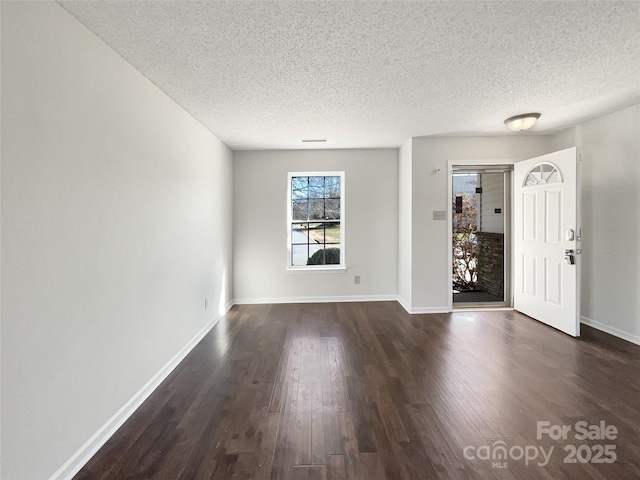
299,187
300,210
299,255
332,233
314,255
554,177
332,256
316,209
299,233
316,187
332,209
332,187
530,180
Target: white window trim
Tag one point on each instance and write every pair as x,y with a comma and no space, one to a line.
341,268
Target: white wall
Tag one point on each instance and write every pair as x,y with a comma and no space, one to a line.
405,209
430,291
260,225
610,150
116,224
562,139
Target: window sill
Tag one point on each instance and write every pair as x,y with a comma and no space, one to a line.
303,270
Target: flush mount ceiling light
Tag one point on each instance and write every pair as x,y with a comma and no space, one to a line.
522,122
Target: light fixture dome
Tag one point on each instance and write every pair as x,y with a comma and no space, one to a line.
522,122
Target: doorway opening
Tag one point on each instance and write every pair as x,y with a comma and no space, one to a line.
480,236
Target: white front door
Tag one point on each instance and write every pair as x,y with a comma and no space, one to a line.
546,242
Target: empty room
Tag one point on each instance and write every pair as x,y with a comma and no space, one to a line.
354,240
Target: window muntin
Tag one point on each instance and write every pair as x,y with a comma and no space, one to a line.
542,174
316,220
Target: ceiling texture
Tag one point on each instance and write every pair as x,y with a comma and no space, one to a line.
267,74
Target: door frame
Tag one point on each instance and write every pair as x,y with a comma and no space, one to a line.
508,243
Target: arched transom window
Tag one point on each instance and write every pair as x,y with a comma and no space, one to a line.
542,174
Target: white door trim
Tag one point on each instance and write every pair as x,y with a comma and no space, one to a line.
449,178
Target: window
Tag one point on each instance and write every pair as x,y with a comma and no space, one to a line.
316,221
542,174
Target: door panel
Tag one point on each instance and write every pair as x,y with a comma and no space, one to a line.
553,281
553,213
529,216
529,275
545,198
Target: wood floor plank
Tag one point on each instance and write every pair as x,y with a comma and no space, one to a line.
335,467
365,391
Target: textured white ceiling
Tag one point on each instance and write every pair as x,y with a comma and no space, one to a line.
373,74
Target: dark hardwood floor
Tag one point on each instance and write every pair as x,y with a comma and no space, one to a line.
366,391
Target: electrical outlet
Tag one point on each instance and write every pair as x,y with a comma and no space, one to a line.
439,215
356,279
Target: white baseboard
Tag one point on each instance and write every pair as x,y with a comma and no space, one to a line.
403,303
104,433
420,310
355,298
611,330
352,298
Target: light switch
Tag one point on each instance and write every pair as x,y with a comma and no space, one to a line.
439,215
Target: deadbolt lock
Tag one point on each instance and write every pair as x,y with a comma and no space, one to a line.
569,256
